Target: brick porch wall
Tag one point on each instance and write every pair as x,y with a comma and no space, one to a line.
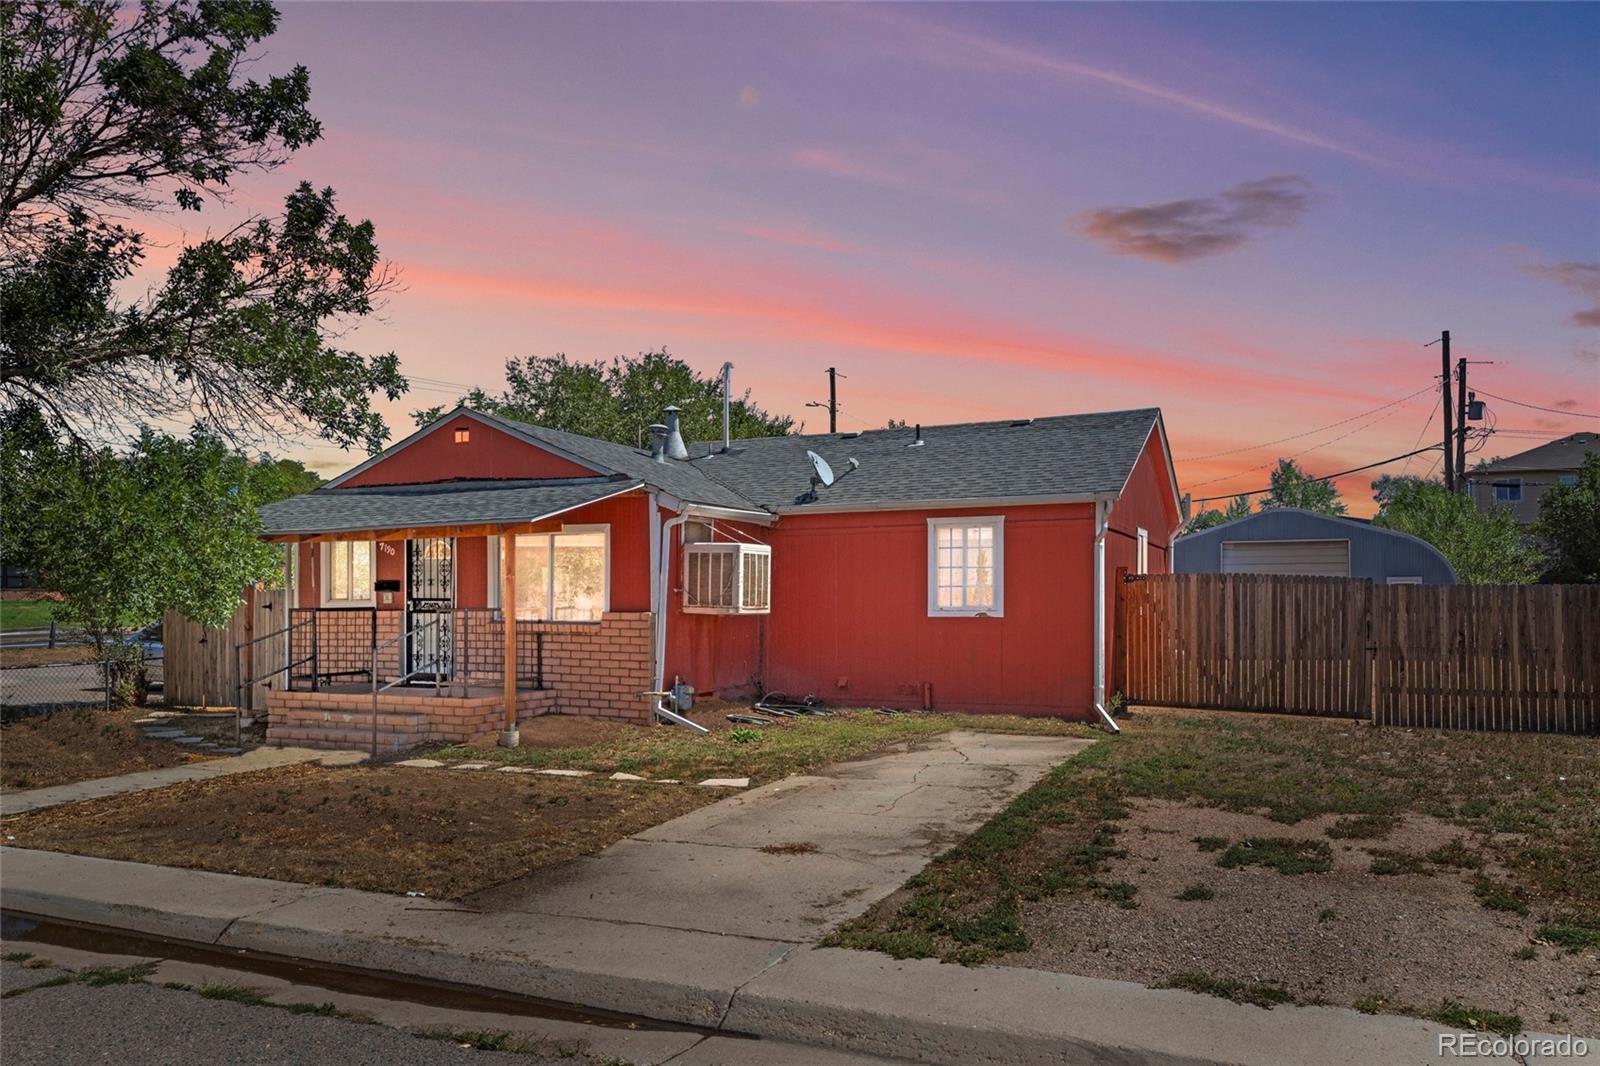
344,719
595,668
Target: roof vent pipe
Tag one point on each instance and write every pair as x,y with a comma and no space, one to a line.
727,405
675,445
919,442
658,442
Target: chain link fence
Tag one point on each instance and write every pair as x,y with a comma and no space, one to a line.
96,684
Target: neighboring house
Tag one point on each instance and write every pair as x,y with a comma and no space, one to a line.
1518,481
1287,540
949,566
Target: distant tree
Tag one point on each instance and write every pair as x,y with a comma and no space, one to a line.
112,110
1569,522
1238,507
617,400
1293,487
125,536
896,423
1484,547
278,479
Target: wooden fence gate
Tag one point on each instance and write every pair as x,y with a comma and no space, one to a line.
1461,657
201,667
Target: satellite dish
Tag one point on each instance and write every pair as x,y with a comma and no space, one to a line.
820,465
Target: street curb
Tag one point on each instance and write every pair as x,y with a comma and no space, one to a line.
919,1009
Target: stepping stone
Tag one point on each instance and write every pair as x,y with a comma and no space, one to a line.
569,773
619,776
163,734
230,751
517,770
426,763
668,781
188,740
470,766
147,721
725,782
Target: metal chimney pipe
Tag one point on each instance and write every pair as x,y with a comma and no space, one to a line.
658,442
727,405
675,446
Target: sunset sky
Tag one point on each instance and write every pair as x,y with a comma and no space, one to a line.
1251,216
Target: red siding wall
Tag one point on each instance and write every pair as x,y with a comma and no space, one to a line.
850,614
715,653
489,453
1146,504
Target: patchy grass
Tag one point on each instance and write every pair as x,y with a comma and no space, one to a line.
789,746
1387,863
94,977
497,1040
54,749
1289,857
1458,1016
26,614
1363,827
1572,935
1196,892
804,847
1527,806
233,994
1267,996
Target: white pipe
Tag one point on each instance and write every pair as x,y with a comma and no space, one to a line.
1102,521
661,548
727,404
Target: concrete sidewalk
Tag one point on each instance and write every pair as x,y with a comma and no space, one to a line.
34,799
690,922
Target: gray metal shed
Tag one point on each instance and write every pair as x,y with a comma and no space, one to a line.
1286,540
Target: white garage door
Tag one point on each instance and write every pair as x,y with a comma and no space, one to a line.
1320,558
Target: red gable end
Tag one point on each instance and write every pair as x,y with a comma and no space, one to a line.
464,448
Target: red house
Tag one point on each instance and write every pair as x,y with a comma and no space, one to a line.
963,567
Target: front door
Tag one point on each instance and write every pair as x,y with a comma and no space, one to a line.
430,606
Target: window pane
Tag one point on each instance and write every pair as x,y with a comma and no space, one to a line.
533,577
339,570
361,571
580,576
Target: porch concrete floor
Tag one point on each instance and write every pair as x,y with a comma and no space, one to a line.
862,828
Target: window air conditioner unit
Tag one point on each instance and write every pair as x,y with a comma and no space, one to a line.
724,577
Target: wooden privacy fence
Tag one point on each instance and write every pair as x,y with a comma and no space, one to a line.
1515,657
201,667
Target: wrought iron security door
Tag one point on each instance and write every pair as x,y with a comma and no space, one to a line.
430,607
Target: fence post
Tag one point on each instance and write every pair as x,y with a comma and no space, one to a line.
105,674
52,633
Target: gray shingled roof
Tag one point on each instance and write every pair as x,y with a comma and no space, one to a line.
452,503
1067,455
680,479
1564,454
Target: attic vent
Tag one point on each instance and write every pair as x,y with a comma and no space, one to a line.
463,436
1019,423
852,435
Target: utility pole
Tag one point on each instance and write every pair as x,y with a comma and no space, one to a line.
1461,423
1448,406
833,400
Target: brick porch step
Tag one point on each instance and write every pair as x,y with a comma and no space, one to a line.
343,739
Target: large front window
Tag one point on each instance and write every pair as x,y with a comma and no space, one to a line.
965,566
347,573
561,577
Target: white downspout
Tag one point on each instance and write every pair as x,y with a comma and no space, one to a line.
1102,521
661,551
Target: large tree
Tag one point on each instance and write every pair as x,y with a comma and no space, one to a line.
1569,522
109,112
1484,546
619,399
1238,507
1293,487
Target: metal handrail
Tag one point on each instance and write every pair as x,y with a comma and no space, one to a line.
238,670
439,661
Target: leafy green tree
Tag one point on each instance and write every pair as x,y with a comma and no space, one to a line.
1238,507
617,400
171,525
1293,487
278,479
1484,547
112,111
1569,522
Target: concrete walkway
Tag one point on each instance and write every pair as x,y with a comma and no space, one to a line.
260,759
690,922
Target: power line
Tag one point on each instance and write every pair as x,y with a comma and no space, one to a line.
1309,432
1437,401
1536,407
1325,477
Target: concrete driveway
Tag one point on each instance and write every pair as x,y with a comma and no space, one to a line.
837,842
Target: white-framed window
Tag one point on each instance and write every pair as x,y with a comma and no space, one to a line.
1568,480
966,566
727,577
561,577
347,573
1508,490
1144,551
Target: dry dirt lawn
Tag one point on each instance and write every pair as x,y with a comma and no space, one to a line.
1276,859
450,832
66,746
